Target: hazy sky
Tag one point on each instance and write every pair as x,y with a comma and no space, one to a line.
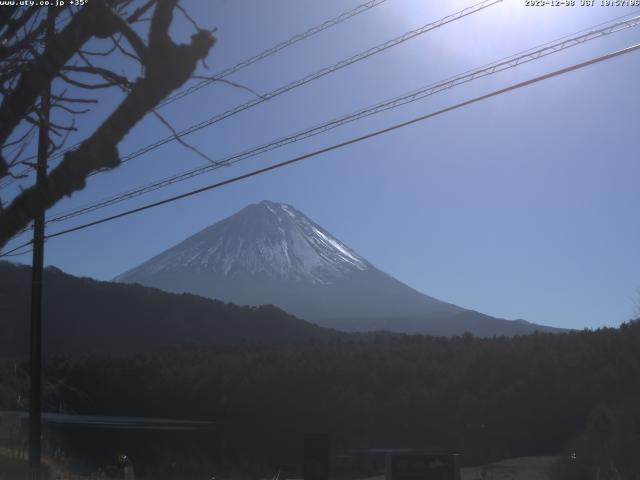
522,206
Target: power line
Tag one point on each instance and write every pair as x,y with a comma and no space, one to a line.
14,251
306,79
327,70
272,50
352,141
468,76
364,7
314,76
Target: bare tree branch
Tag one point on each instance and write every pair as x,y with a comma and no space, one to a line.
229,82
88,86
167,67
124,51
182,142
60,98
91,20
188,17
140,11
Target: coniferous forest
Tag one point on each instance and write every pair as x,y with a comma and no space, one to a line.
543,394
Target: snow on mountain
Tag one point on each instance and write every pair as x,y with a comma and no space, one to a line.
269,239
270,253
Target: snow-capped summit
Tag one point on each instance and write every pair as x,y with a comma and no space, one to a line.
266,239
270,253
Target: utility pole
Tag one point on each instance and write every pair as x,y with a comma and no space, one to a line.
35,365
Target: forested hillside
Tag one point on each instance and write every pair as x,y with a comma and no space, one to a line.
85,315
487,398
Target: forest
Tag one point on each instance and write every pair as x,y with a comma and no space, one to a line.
83,315
575,394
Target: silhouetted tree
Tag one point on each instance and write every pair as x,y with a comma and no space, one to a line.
29,64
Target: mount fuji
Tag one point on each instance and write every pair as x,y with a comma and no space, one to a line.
270,253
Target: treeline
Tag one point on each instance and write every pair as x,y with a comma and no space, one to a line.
83,315
486,398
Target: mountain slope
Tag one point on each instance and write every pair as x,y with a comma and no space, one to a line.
83,315
270,253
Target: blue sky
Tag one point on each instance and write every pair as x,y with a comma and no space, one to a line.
522,206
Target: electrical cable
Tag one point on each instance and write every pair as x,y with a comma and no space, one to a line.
352,141
468,76
243,64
